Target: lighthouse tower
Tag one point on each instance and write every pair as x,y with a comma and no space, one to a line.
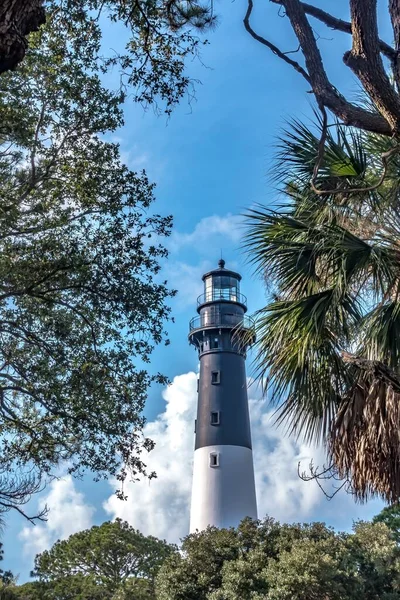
223,491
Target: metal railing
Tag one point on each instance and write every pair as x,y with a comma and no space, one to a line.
232,321
221,295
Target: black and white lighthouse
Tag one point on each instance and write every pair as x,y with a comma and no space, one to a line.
223,491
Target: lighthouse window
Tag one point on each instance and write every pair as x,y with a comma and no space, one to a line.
214,459
215,343
208,289
215,418
215,377
226,288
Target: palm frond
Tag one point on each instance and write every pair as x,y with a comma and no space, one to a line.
330,342
282,246
365,439
300,350
381,333
304,256
298,150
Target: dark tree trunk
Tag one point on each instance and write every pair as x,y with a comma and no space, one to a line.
394,10
18,18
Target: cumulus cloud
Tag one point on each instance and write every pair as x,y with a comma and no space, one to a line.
187,280
68,513
161,507
280,491
133,156
209,236
213,227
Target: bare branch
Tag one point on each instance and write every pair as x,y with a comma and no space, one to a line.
325,93
272,47
41,516
326,473
340,25
17,490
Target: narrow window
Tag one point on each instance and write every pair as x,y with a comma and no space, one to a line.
214,459
215,343
215,377
197,385
201,347
215,418
195,425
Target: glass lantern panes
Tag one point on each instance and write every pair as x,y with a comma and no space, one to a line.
221,287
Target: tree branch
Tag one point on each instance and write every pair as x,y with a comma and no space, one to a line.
325,93
41,516
365,61
340,25
326,473
35,142
271,46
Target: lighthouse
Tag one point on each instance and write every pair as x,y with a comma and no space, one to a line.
223,490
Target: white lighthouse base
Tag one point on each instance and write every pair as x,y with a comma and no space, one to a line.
222,495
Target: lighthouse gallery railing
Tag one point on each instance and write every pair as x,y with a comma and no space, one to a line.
221,294
221,320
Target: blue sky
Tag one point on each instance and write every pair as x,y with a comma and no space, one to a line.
211,161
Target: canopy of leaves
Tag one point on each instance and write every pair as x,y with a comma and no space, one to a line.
268,561
329,341
82,303
390,516
159,36
113,561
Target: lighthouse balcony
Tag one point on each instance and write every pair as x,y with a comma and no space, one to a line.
214,295
230,321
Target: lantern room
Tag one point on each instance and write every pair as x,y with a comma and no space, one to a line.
221,284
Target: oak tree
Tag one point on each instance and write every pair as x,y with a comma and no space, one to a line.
82,302
112,561
159,37
265,560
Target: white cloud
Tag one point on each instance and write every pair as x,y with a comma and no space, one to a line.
133,156
209,236
187,280
280,491
215,226
68,513
161,507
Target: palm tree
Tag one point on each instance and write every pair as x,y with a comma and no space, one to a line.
329,341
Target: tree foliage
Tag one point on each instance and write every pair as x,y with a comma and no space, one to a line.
390,516
113,561
159,37
329,339
82,303
268,561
